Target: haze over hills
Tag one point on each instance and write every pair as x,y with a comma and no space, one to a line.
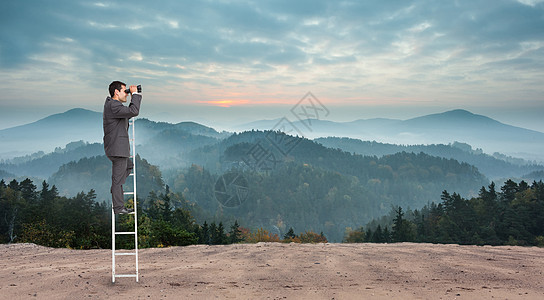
50,132
441,128
495,167
311,187
80,124
336,182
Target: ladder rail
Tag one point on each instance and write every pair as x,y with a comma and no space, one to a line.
135,213
134,198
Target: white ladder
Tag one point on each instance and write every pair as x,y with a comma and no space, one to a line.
135,214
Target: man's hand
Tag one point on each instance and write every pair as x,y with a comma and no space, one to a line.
133,89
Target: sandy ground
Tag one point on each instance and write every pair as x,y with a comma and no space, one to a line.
278,271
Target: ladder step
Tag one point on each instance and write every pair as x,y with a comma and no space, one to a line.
131,174
125,253
131,213
128,193
126,232
126,275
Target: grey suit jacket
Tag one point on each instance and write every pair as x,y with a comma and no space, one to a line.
115,118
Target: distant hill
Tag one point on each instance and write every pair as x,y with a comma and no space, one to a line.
231,152
81,124
325,189
441,128
95,173
46,164
535,176
4,174
477,130
147,129
167,148
168,145
492,167
50,132
290,180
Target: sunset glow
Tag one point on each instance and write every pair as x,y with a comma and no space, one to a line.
401,58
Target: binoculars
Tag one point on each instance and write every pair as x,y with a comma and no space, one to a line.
139,87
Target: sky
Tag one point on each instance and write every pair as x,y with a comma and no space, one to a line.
224,63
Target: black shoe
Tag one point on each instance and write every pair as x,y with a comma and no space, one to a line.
124,211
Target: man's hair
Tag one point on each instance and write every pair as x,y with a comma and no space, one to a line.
116,85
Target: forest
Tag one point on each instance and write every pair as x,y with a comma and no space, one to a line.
300,185
309,188
41,216
512,216
496,166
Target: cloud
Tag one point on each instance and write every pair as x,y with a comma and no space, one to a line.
419,48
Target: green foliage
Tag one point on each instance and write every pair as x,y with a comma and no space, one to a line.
235,234
354,236
313,187
514,216
402,229
496,166
45,218
164,234
305,196
312,237
43,165
290,234
316,187
95,173
305,237
539,241
262,235
44,234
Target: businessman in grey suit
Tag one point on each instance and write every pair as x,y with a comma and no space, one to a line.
116,142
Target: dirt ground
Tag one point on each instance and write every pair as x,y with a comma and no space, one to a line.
277,271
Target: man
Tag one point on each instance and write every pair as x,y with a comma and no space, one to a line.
116,143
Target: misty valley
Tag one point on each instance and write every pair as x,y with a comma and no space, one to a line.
196,183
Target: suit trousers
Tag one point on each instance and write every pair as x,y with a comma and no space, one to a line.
121,168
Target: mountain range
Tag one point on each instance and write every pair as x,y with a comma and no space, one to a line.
78,124
442,128
50,132
325,184
308,187
161,142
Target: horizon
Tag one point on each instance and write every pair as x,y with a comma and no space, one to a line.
242,61
224,126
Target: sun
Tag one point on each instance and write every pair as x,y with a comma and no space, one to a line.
226,103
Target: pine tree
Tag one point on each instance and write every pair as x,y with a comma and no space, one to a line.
386,235
377,236
398,226
205,234
368,235
220,236
290,234
235,235
14,185
509,190
28,190
213,233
